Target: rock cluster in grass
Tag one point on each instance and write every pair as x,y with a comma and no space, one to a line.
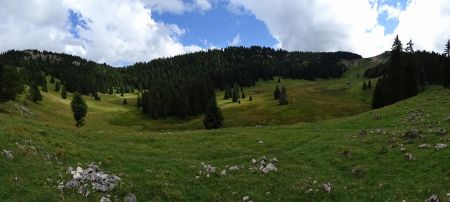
362,132
91,179
264,165
206,170
409,157
130,198
413,134
433,198
440,146
424,146
8,154
327,187
441,131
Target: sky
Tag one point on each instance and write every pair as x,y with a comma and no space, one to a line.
122,32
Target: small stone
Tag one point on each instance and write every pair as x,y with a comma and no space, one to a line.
130,198
105,199
246,199
72,184
424,146
233,168
433,198
362,132
413,133
197,177
223,173
440,146
441,131
327,187
8,154
409,157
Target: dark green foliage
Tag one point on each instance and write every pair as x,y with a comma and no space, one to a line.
35,93
279,79
79,109
213,116
243,95
138,102
52,80
10,83
63,93
369,85
57,86
44,84
276,93
125,102
283,99
250,98
364,86
227,93
235,93
96,96
111,91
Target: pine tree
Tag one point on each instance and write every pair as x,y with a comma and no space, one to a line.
364,86
44,86
409,47
125,102
96,96
79,109
35,94
63,93
138,102
213,116
57,86
52,80
447,49
10,83
243,95
226,95
111,91
283,100
250,98
279,80
369,85
235,93
276,93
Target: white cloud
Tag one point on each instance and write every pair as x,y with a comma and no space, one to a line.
427,23
236,41
120,32
330,25
179,6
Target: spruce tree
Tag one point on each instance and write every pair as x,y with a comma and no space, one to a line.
447,49
63,93
279,80
364,86
226,96
35,94
52,80
57,86
138,102
250,98
79,109
243,95
44,86
213,118
369,85
282,99
125,102
276,93
409,47
10,83
235,93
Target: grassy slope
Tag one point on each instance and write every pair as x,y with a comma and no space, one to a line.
162,166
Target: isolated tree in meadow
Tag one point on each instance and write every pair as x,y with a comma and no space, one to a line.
279,80
276,93
283,100
79,109
63,93
369,85
235,93
364,86
409,47
35,94
447,49
213,116
138,102
250,98
125,102
57,86
44,86
243,95
10,83
226,95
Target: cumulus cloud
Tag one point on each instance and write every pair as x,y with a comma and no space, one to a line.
329,25
115,32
